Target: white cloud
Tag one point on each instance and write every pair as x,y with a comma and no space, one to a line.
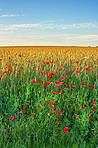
49,40
43,26
0,9
11,15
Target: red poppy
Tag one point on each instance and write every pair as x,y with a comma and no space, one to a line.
66,129
94,109
53,103
83,107
75,105
59,69
5,71
82,83
78,71
19,55
87,68
89,117
12,117
40,106
56,82
32,116
27,104
51,109
33,82
48,83
39,80
58,122
48,102
76,61
93,103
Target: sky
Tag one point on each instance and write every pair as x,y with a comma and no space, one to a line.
49,23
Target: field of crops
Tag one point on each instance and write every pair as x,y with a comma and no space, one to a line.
48,97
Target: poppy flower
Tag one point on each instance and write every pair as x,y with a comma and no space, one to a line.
89,117
12,117
56,82
66,129
51,109
53,103
94,109
27,104
48,102
58,122
93,103
19,55
40,106
83,107
76,61
82,83
32,116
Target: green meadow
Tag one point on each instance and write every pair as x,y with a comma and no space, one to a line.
48,97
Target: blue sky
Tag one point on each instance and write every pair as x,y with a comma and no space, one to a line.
49,22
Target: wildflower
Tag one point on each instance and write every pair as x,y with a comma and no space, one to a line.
48,83
76,61
57,112
12,117
92,86
45,84
66,74
15,64
27,104
22,74
40,106
61,83
78,71
47,63
70,86
32,116
53,103
66,129
9,57
19,55
57,93
33,82
43,62
56,82
77,116
58,122
59,69
89,117
66,85
20,139
94,109
63,77
87,68
3,127
51,109
5,71
75,105
83,107
56,89
82,83
48,102
93,103
39,80
42,89
0,59
73,86
89,85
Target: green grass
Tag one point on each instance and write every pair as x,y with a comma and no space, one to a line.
43,131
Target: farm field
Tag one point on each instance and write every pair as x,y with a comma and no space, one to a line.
48,97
